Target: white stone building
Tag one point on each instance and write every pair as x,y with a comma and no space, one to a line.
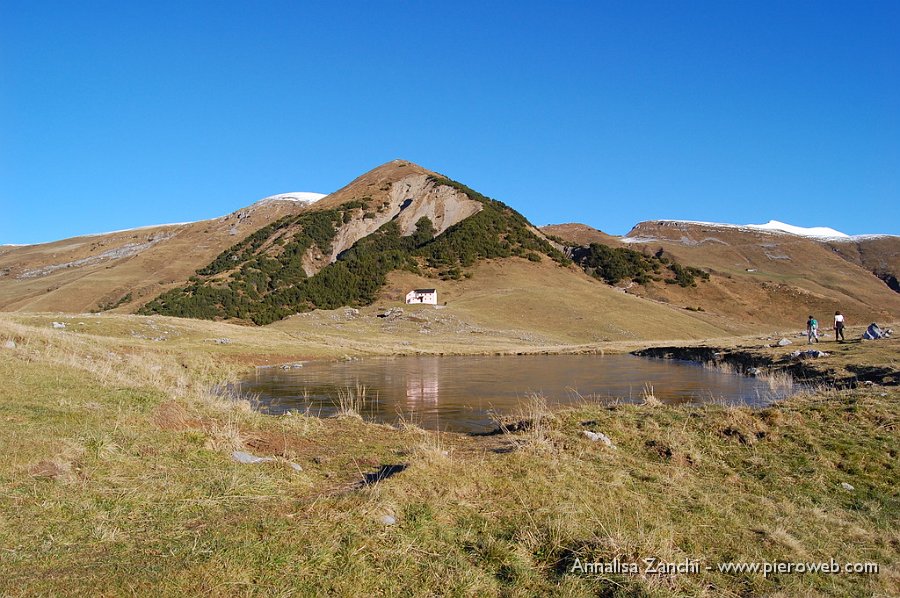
428,296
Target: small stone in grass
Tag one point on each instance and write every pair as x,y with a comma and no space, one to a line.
847,487
595,436
247,458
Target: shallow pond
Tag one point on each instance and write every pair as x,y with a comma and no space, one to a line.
461,394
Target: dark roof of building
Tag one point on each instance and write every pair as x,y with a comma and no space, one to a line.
425,291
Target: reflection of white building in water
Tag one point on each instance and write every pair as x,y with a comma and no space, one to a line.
428,296
422,386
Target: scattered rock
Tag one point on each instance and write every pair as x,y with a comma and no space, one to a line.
392,313
247,458
10,344
58,325
387,520
847,487
785,342
811,354
222,341
599,436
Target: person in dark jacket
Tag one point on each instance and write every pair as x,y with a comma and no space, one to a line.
838,326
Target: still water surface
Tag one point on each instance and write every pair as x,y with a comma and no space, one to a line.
460,393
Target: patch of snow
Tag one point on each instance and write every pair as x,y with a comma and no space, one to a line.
868,237
300,197
815,231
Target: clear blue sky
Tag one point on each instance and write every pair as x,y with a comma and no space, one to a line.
120,114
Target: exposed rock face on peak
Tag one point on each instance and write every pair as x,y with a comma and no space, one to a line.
398,191
305,197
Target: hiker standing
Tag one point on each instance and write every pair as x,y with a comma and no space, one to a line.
838,326
812,330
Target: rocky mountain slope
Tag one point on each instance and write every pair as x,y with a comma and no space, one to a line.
879,254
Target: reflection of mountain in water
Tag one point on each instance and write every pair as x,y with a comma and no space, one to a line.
462,394
422,384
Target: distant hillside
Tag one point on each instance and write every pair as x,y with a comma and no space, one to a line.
123,269
762,274
767,275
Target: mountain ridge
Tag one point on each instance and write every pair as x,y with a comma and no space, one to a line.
401,217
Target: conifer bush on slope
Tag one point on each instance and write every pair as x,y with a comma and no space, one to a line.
614,264
262,279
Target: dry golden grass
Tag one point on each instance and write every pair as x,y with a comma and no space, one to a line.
122,482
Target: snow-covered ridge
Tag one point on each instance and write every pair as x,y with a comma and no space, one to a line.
300,196
820,233
815,231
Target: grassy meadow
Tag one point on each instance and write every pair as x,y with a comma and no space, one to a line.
118,478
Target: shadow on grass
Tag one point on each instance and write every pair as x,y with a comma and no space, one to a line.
383,473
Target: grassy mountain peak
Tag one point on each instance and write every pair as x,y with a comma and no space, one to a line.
338,252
